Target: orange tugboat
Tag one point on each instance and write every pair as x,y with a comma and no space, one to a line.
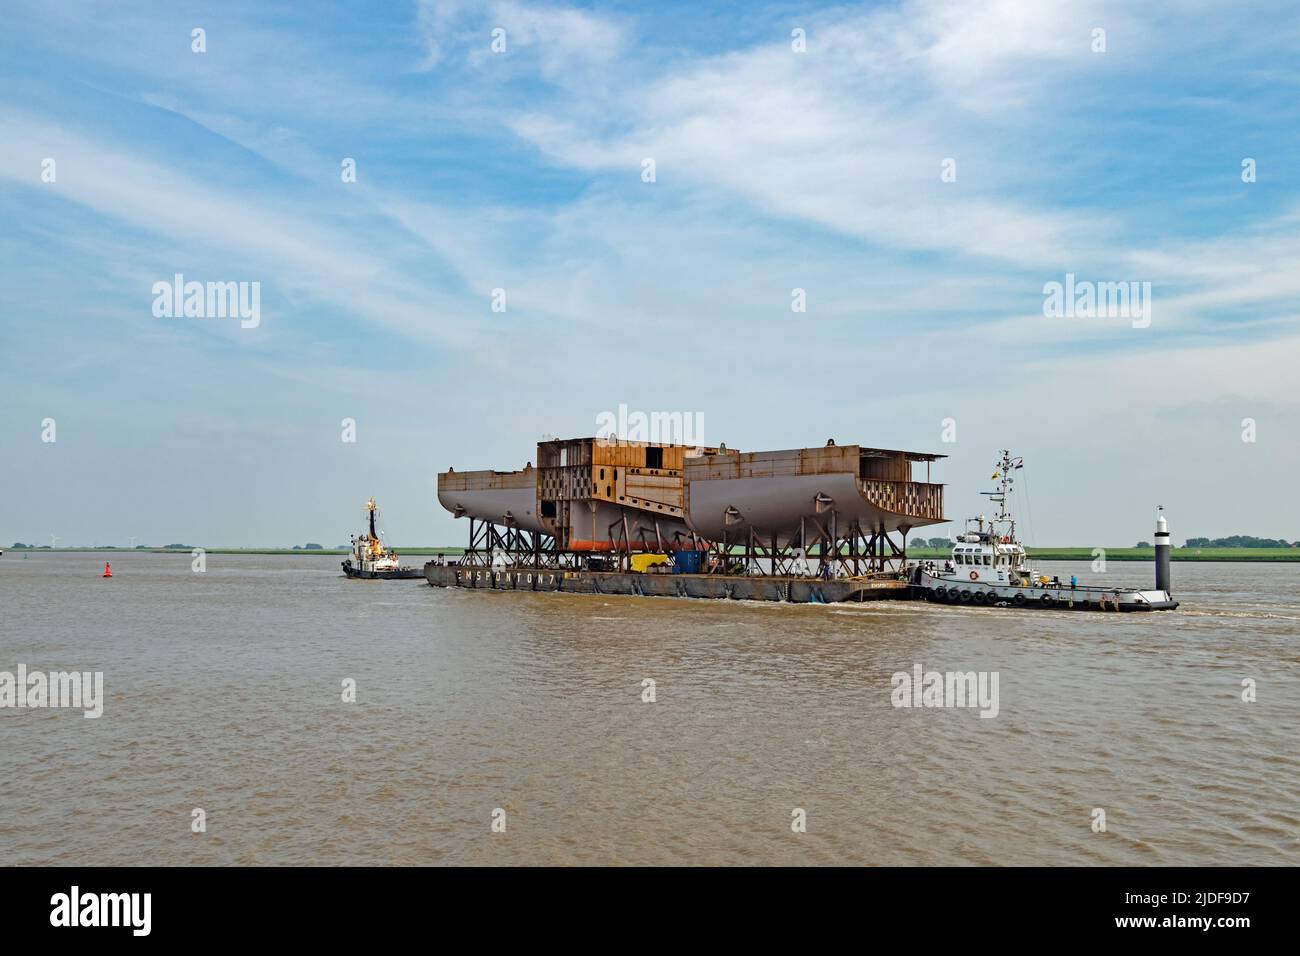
370,558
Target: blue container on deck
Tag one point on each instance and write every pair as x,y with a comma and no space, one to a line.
687,562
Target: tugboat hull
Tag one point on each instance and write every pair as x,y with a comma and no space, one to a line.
1041,597
404,574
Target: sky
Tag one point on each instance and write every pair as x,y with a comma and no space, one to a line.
921,169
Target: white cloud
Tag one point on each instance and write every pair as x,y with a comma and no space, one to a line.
850,136
560,40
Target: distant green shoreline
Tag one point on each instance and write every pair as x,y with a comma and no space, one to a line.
1281,555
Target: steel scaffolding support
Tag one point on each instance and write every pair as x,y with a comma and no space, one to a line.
821,547
490,543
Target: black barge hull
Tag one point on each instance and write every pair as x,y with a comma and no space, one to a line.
714,586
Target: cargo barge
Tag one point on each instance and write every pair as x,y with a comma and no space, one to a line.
795,590
804,525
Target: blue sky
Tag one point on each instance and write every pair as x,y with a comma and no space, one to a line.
522,170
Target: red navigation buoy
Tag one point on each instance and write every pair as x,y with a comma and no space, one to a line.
108,570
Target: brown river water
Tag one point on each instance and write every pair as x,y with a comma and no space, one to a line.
222,691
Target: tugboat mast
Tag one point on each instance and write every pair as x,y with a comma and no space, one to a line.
1002,472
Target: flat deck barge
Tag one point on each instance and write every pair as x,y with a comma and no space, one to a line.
795,590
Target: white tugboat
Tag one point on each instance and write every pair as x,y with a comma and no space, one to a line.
989,567
370,558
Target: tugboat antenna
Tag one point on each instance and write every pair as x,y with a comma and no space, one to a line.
1002,474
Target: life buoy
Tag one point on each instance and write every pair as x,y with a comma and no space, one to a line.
974,575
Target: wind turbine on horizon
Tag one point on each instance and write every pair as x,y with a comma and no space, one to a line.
132,538
54,540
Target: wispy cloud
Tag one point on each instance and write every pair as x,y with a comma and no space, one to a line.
302,254
558,42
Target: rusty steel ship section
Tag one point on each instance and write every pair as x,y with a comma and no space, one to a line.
608,495
832,511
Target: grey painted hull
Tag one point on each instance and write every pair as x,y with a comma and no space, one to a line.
777,504
503,498
828,490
